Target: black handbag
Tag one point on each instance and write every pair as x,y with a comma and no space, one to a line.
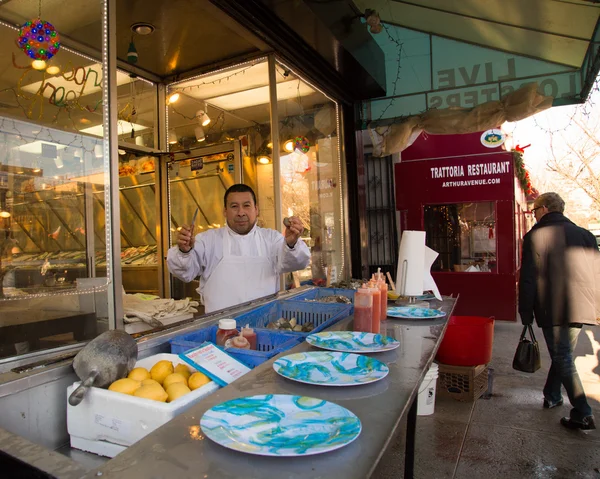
527,358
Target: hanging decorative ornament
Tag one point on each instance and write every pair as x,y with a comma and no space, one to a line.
302,144
39,40
132,54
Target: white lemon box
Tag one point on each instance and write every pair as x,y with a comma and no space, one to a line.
106,422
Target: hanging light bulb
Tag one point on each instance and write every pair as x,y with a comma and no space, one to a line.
38,65
289,145
53,70
199,132
173,97
203,118
173,137
263,159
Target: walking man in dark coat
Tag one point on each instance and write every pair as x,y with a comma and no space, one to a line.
557,287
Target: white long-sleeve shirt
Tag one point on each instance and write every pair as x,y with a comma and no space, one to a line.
208,252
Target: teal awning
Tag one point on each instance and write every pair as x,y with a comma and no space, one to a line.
465,53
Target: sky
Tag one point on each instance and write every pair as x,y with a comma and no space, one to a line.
536,131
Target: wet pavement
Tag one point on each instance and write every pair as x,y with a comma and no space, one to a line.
508,435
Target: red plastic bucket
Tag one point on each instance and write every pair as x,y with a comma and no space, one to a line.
468,341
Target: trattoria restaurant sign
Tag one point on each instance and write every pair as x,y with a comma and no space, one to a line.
476,174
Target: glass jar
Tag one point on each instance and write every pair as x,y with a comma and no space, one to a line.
227,329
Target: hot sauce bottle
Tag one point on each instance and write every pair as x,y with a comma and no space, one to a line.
383,287
363,310
376,320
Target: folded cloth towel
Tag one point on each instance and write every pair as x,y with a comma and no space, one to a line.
151,309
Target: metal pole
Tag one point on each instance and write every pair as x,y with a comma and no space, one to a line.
160,180
89,227
275,140
111,156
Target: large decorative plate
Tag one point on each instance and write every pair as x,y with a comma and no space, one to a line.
407,312
425,297
352,342
331,368
280,425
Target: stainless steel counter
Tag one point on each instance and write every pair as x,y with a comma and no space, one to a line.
180,450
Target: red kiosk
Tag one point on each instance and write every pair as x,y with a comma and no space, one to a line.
462,190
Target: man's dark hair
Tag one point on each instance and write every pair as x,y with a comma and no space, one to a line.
239,188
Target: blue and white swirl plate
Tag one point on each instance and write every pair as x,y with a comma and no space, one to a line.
406,312
280,425
352,342
331,368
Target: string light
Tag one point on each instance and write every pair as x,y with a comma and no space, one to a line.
216,72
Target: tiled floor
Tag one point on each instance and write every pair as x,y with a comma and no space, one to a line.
509,435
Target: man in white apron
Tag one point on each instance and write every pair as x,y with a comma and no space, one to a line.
241,261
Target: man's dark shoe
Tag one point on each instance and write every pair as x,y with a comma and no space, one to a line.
585,424
548,406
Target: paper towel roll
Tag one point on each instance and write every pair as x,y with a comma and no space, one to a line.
411,264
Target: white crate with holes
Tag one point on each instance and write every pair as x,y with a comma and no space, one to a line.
106,422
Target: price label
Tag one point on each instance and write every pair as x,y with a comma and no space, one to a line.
215,363
197,164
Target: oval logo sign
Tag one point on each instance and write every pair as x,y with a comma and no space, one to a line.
493,138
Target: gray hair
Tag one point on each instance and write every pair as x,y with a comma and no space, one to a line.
552,201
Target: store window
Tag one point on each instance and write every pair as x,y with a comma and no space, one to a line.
311,183
227,107
464,235
52,235
137,112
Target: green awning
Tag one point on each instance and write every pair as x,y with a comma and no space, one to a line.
465,53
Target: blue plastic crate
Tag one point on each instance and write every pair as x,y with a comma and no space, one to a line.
268,344
319,293
322,315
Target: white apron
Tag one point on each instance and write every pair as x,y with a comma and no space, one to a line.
238,279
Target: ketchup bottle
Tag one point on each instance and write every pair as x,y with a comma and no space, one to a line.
383,287
376,320
250,335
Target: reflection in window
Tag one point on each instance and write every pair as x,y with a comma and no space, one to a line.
464,235
310,172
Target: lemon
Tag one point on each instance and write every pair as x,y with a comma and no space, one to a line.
139,374
161,370
198,380
150,382
125,386
174,378
392,295
156,393
176,390
183,370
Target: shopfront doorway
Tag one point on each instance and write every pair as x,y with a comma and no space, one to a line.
198,181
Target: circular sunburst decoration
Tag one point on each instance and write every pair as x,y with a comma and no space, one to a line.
302,144
39,40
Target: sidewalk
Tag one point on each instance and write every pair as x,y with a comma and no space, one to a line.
509,435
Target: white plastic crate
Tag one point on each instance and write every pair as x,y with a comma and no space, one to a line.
106,422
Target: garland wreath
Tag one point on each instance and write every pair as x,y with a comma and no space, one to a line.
520,170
